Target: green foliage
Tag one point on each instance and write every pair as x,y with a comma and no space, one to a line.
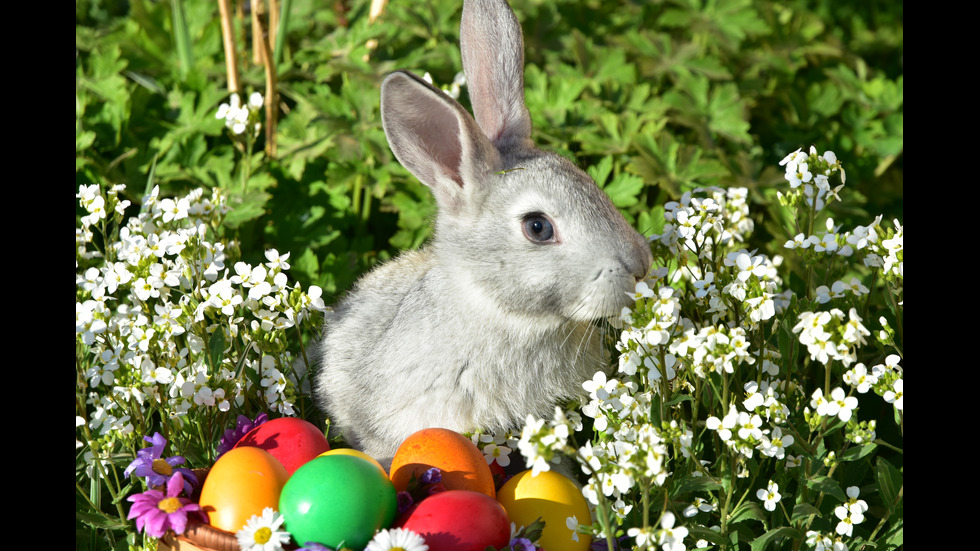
660,97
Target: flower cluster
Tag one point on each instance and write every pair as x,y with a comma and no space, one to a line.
241,118
809,176
151,307
711,390
172,333
832,335
542,442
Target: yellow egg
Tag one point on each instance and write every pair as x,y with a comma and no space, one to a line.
242,483
356,453
553,498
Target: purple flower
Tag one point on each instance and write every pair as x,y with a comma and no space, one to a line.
157,470
242,427
314,546
431,476
405,501
156,512
521,544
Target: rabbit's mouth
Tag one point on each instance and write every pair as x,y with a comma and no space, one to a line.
604,298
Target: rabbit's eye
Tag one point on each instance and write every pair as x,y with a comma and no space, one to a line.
538,229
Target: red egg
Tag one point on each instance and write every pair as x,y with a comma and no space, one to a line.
292,441
459,520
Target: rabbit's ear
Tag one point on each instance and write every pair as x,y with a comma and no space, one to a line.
435,138
492,47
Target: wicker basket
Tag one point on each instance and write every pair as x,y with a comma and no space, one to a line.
199,536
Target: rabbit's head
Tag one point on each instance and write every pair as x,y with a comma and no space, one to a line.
521,227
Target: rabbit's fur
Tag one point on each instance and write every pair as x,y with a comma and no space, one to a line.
493,319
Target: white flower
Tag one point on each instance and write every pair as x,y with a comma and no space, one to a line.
572,524
843,404
275,261
848,519
896,395
854,504
396,538
698,505
500,454
642,291
671,539
262,533
769,496
723,426
859,378
775,444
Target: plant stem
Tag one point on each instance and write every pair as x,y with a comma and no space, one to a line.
228,39
271,80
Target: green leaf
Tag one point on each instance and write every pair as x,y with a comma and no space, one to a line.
701,533
890,484
748,511
216,348
774,535
693,484
624,190
803,510
251,206
828,486
858,452
98,520
600,172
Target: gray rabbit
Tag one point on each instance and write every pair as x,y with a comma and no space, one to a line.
494,318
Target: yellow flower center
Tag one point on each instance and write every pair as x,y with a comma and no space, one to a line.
263,535
162,467
169,504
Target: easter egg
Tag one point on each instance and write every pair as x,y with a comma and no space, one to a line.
459,520
462,464
242,483
291,440
355,453
337,499
551,497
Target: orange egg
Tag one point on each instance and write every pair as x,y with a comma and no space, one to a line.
356,453
242,483
462,464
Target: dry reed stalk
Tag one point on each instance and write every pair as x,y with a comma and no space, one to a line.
228,39
259,16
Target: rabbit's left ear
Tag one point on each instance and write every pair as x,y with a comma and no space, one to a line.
492,47
435,138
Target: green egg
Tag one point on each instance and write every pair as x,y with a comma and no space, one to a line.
335,499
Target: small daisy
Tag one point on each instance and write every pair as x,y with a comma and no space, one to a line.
262,533
397,539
